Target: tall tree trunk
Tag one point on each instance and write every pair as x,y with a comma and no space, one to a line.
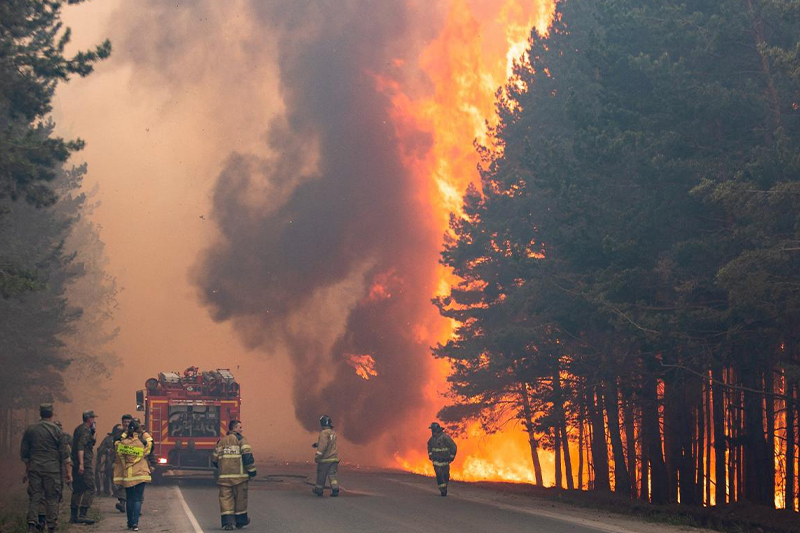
789,486
651,440
534,444
709,438
630,442
622,481
557,449
599,449
673,408
644,484
580,446
769,404
561,432
720,446
756,454
567,458
699,470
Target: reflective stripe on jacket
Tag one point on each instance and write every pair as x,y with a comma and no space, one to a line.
441,449
234,459
131,466
326,447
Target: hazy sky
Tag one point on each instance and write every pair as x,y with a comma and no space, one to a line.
155,152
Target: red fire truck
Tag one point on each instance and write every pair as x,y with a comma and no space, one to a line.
187,414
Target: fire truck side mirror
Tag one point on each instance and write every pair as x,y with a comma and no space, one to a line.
140,400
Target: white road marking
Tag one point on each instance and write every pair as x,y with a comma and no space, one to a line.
189,513
591,524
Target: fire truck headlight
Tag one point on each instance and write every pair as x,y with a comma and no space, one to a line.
162,460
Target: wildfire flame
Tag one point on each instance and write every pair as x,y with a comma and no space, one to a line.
364,365
468,62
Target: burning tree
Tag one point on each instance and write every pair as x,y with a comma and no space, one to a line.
640,211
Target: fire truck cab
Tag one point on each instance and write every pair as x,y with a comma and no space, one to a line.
187,414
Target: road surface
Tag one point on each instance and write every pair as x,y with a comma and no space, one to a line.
385,502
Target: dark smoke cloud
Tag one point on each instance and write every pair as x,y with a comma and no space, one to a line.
358,207
327,201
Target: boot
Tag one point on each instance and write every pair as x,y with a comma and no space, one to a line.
443,490
120,506
317,491
242,521
334,493
83,519
228,522
73,516
33,527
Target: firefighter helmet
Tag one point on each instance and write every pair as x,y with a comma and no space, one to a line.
435,426
325,421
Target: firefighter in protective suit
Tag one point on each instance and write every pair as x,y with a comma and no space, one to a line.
441,451
326,457
233,458
133,449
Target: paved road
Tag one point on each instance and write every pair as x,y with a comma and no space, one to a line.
395,502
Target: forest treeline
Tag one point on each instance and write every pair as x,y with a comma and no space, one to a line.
630,263
56,299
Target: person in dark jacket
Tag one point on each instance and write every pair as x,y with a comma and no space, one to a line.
441,451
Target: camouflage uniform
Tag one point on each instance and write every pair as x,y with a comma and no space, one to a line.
83,488
104,466
45,453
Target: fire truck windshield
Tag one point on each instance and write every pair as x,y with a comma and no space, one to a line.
194,421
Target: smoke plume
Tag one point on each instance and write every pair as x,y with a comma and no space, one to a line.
323,234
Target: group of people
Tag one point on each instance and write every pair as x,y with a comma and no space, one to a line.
53,459
233,458
125,464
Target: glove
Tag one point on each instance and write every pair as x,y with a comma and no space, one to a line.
315,445
251,474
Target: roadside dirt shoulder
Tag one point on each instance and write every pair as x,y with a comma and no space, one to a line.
162,511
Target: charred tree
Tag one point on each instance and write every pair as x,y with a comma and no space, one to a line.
720,443
622,480
602,481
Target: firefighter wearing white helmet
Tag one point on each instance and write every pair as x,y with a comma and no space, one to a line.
326,457
441,451
234,459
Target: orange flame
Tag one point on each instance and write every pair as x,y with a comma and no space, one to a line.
470,60
364,365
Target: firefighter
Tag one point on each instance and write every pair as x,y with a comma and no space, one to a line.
116,466
46,456
132,449
83,488
441,451
233,458
326,457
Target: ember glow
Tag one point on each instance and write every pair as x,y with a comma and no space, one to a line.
470,60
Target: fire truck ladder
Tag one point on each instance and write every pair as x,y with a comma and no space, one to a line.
155,417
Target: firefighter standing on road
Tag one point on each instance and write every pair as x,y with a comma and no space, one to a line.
83,489
45,454
441,451
234,459
327,458
132,449
117,490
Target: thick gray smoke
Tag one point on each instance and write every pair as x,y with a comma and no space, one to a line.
355,210
325,245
